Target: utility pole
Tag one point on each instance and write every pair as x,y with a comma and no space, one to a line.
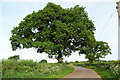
118,10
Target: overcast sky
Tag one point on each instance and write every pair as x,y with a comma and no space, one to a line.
102,12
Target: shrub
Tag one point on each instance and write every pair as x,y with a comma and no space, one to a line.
76,61
66,62
43,61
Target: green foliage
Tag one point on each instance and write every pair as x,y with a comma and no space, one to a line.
66,62
43,61
99,50
54,30
16,57
30,69
76,61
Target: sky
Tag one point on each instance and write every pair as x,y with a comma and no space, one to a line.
103,13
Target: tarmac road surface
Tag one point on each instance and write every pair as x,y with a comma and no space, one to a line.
81,73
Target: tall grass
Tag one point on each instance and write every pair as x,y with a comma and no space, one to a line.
31,69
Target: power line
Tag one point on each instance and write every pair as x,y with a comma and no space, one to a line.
106,24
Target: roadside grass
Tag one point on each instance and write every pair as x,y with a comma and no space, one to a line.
31,69
104,73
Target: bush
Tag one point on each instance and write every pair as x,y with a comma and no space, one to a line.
66,62
76,61
43,61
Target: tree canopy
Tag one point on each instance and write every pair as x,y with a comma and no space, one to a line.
55,31
99,50
16,57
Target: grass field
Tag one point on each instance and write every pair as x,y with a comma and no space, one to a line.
30,69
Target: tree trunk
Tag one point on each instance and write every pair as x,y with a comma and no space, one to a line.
90,60
60,57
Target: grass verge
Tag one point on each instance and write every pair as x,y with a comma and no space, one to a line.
30,69
104,73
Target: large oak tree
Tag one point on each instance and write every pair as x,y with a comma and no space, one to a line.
54,30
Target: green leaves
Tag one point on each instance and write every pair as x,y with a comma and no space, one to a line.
99,50
54,30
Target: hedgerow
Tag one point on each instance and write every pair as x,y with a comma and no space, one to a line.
30,69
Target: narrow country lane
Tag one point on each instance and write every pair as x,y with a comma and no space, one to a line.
81,73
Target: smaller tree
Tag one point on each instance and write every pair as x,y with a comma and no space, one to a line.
16,57
99,50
